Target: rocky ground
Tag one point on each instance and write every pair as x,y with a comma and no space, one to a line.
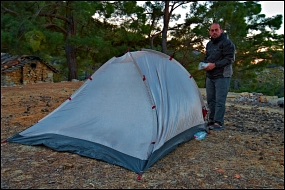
249,153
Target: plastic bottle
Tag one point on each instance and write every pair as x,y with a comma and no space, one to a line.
202,65
200,135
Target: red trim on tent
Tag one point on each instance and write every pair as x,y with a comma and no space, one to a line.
170,58
190,76
4,141
69,98
152,142
153,107
204,112
140,176
90,78
144,78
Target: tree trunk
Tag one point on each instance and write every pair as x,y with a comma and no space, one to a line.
71,62
70,50
165,27
151,41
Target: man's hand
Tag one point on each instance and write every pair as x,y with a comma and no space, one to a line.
210,66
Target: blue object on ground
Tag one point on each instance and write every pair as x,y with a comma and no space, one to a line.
200,135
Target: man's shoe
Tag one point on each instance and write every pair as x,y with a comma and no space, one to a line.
210,123
216,127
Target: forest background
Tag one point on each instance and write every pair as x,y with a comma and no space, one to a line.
69,36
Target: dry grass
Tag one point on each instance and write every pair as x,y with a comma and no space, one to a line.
249,153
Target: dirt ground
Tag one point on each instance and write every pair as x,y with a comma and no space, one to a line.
248,153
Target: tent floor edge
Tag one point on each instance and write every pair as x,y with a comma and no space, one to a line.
83,148
173,143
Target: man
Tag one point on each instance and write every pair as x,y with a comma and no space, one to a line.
220,55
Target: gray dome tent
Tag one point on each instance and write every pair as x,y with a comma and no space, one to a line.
131,112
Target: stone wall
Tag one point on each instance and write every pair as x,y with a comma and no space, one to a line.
31,73
36,72
12,78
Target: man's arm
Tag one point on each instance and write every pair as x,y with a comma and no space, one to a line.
228,54
228,57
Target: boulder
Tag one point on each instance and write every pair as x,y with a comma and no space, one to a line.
280,102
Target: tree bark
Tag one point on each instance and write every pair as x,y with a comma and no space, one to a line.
70,50
165,27
71,62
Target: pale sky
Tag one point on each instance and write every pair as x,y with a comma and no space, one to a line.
269,8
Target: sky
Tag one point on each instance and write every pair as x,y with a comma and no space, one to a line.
269,8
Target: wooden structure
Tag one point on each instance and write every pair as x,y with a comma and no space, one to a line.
22,70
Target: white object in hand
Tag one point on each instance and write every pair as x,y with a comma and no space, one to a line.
202,65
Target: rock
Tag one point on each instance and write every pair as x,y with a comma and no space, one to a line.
4,186
280,102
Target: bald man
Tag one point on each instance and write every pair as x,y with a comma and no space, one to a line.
220,55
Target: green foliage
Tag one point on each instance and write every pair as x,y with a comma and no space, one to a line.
35,39
269,81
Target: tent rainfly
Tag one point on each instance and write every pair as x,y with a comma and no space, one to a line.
131,112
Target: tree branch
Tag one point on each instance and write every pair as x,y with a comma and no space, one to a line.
38,12
9,11
51,25
55,16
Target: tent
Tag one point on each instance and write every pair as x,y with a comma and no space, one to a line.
131,112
